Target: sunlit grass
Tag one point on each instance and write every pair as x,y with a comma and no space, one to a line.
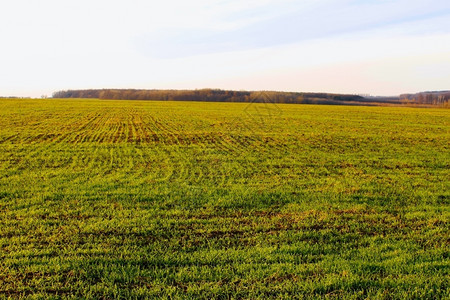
218,200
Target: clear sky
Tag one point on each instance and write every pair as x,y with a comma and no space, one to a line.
378,47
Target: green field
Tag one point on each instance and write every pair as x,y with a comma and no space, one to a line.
147,199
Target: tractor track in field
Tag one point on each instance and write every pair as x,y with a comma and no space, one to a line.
155,146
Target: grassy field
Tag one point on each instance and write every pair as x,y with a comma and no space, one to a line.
135,199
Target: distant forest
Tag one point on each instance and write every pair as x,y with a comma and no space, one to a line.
212,95
440,98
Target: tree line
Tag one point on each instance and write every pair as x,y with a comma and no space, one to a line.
441,98
210,95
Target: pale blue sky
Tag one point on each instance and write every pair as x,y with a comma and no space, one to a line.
383,47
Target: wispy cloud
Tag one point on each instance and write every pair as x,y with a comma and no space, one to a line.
293,23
